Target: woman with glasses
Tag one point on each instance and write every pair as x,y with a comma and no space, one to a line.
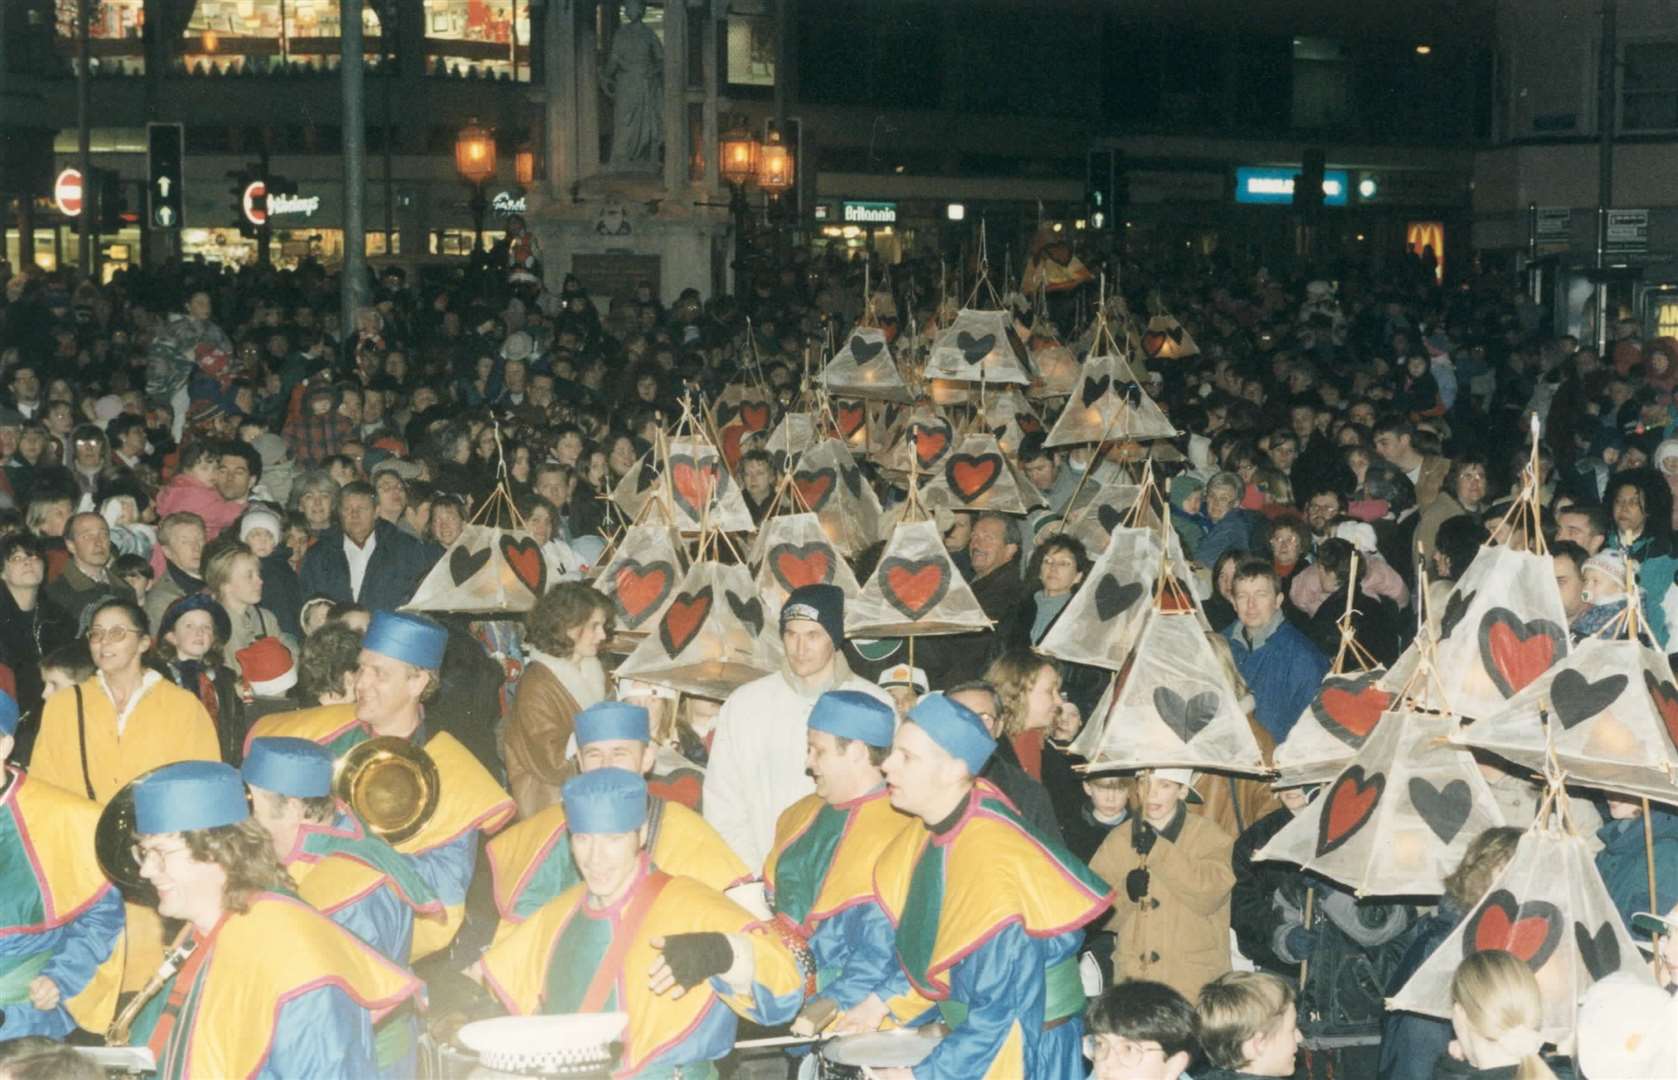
125,720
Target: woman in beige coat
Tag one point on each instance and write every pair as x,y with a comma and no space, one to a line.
1173,875
562,677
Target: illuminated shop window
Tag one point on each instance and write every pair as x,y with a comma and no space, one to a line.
478,39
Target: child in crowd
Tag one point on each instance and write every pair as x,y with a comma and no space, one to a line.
1139,1030
1247,1026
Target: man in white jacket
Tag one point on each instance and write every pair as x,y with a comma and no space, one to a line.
756,767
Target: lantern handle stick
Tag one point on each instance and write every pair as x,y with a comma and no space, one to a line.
1310,908
1649,856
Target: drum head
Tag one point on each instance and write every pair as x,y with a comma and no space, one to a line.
880,1049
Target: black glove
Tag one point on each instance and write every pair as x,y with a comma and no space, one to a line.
1136,884
693,958
1142,837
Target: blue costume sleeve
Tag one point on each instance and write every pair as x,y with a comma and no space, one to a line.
85,943
766,1007
20,1017
320,1035
858,943
448,868
1001,984
382,920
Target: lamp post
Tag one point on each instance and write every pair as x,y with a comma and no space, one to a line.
737,161
474,160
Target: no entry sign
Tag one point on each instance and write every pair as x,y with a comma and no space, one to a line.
67,192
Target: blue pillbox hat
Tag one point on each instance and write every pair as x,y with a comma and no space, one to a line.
189,795
607,721
955,728
295,767
852,714
605,801
412,639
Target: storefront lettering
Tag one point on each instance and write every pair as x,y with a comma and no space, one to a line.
505,202
293,204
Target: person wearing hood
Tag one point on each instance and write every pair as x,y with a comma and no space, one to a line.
1603,590
1231,527
1188,511
1641,505
1625,859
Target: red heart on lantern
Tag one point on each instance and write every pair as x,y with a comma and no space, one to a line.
730,438
930,444
692,482
1529,931
797,565
1348,708
850,418
755,416
816,485
639,588
914,586
1351,802
1665,696
524,559
971,475
1515,652
682,620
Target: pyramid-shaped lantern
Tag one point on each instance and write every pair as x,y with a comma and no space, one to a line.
1398,818
714,635
1610,712
1057,368
1103,621
863,369
488,569
1175,707
641,576
850,422
1550,910
886,423
792,550
1109,404
741,411
1333,728
977,347
1502,627
703,493
795,434
915,590
1094,513
832,487
1009,416
978,476
1166,339
928,438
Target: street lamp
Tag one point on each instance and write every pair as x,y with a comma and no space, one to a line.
775,165
474,160
737,157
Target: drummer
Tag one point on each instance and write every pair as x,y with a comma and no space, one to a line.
675,954
989,917
272,988
820,871
398,673
530,863
60,919
343,871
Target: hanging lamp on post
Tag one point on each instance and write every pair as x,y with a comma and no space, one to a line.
775,165
737,157
474,160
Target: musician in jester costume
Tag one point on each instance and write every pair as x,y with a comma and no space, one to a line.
341,870
61,921
530,862
400,657
272,988
820,872
679,957
988,915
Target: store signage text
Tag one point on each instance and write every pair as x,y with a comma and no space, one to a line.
870,213
1261,184
506,202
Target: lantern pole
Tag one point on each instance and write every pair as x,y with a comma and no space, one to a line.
353,276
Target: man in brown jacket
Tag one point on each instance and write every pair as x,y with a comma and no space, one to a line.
1173,874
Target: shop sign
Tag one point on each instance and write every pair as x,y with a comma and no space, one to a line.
1273,185
1555,224
869,213
508,202
1627,233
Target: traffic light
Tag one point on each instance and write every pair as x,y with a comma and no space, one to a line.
1106,188
165,175
109,199
1308,185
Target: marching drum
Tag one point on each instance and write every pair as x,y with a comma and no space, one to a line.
575,1046
848,1056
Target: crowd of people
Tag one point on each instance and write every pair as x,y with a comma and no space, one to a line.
217,504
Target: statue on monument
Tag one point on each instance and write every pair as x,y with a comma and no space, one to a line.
634,79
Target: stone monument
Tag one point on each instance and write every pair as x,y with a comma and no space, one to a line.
630,192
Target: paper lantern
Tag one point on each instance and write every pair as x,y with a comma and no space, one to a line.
915,590
790,551
714,636
865,369
1398,818
701,490
488,569
978,347
1550,909
1333,728
978,476
641,575
1109,404
831,485
1165,339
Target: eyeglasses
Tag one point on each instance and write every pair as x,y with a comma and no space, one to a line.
1128,1053
144,854
115,634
